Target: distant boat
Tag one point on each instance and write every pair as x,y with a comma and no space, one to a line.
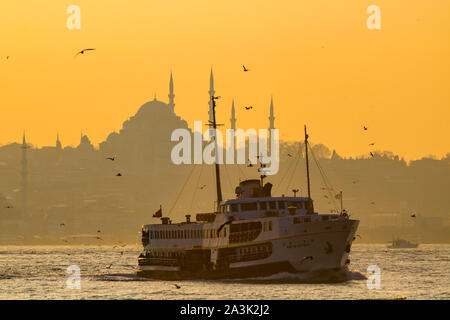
402,244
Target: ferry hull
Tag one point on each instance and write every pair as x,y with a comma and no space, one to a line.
318,250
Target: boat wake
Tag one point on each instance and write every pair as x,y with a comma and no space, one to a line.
325,276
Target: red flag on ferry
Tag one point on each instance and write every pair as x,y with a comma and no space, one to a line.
158,214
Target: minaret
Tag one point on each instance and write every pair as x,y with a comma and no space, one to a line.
24,182
58,143
233,116
233,127
211,93
171,94
271,120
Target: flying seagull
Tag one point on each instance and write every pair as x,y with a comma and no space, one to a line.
371,154
109,267
118,175
372,144
245,69
307,258
249,107
111,158
83,51
177,286
8,207
289,155
413,215
202,187
365,128
62,225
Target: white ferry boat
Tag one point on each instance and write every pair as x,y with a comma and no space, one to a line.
398,243
253,235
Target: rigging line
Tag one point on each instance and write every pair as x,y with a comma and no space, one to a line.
286,172
196,186
182,188
229,179
325,179
240,169
292,175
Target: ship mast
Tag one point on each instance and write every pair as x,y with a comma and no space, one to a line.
307,163
214,125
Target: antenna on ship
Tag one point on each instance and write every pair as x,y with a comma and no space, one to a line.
214,125
307,163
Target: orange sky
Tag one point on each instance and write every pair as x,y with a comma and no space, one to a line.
322,65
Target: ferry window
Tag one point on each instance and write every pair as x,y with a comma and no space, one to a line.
309,207
270,225
262,205
324,218
281,204
244,227
297,204
297,220
307,219
234,207
272,205
249,206
227,208
265,226
225,232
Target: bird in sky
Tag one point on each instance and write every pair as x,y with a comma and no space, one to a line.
249,107
83,51
98,238
371,154
289,155
8,207
250,163
325,196
202,187
372,144
372,202
177,286
245,69
118,175
109,267
111,158
62,225
307,258
215,98
355,181
365,128
413,215
98,231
